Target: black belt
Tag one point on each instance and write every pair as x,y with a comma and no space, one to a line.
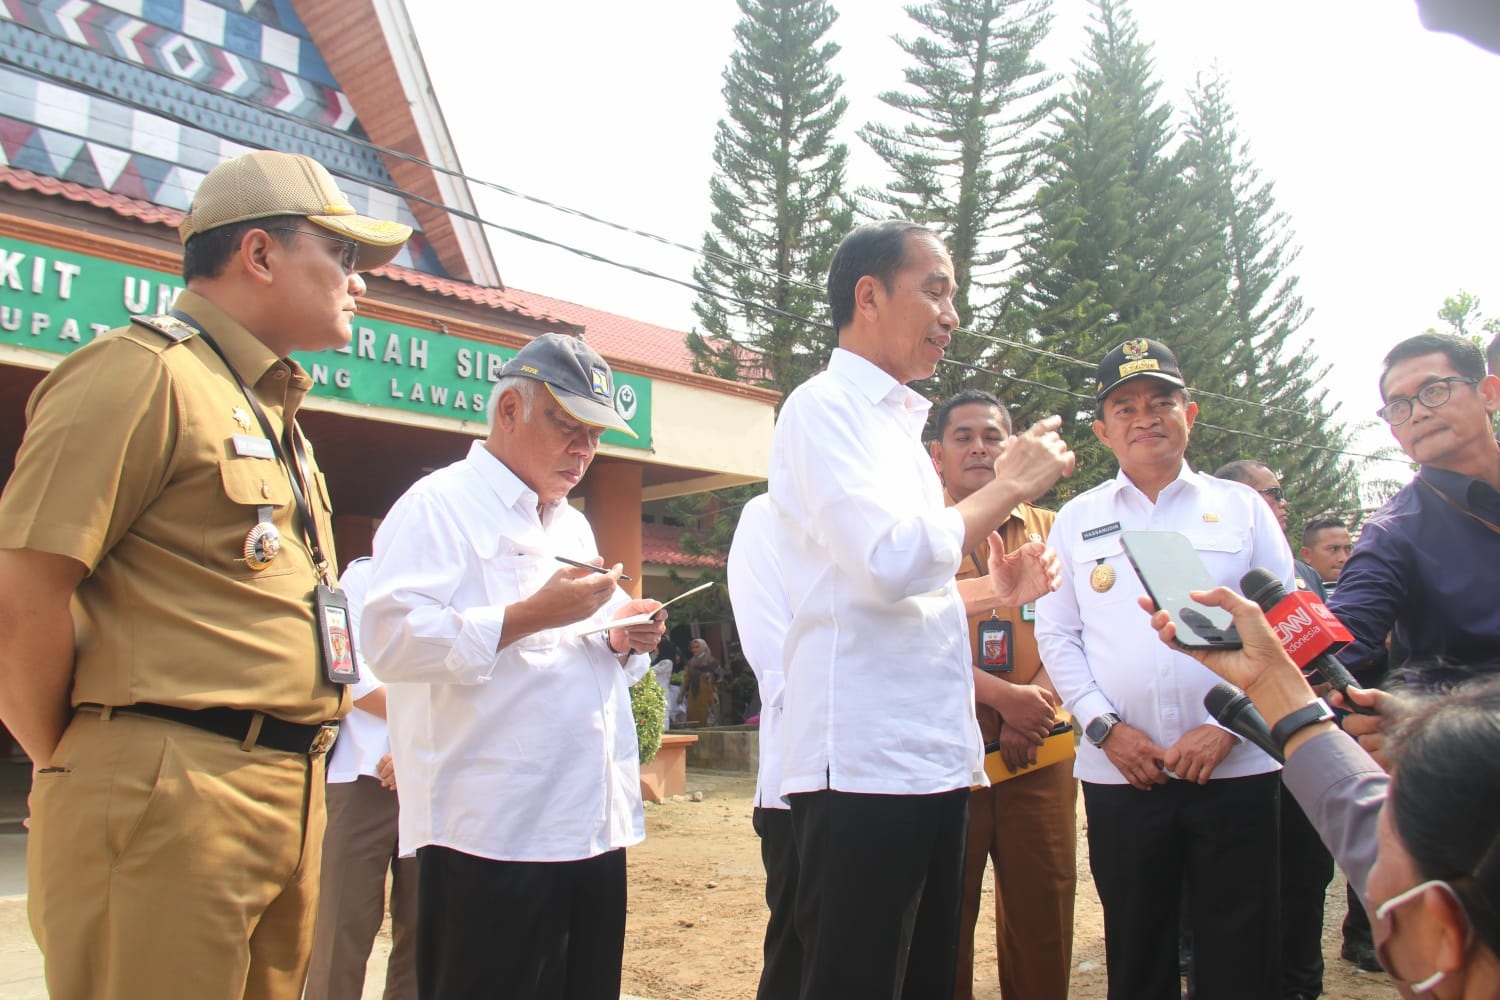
236,723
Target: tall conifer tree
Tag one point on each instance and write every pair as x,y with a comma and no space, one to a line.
779,206
1117,246
1263,360
965,155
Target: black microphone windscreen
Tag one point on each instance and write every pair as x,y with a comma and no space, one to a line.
1219,698
1262,587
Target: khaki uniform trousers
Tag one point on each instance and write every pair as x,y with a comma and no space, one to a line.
165,861
359,849
1028,826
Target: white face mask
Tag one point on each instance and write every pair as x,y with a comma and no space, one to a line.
1383,928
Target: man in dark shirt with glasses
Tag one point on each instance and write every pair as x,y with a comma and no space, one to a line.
1423,563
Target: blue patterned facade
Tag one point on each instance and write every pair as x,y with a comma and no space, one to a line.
143,97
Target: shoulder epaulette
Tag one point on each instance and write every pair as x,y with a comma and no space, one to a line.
170,327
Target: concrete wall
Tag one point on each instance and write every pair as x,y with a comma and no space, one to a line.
735,748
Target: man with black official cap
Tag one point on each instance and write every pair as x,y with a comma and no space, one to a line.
1169,793
165,542
520,790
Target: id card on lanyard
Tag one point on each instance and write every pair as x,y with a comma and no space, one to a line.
330,606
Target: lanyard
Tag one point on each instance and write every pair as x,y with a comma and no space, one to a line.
298,460
1458,506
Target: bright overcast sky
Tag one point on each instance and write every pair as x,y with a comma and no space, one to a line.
1371,128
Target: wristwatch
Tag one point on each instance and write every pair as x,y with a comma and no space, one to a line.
1311,714
1098,730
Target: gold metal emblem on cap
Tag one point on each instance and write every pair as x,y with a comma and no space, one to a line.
262,544
1102,578
241,417
1135,348
1210,517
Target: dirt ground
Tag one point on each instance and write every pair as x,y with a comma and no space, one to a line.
697,911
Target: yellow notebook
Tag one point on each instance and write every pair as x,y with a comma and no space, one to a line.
1058,747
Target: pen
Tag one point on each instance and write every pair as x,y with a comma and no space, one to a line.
584,565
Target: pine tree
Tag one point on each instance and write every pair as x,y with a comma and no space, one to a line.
779,207
966,154
1264,360
1117,246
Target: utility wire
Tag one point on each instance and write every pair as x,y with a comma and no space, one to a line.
474,217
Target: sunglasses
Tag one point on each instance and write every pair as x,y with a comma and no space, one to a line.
1274,492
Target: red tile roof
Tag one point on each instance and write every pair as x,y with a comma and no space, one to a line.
617,336
130,208
661,544
613,336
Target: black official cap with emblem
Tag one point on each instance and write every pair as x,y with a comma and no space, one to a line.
578,378
1135,359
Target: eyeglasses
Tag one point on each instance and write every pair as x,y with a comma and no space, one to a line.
1398,409
348,249
1275,493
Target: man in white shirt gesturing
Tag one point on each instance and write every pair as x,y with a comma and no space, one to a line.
520,782
879,735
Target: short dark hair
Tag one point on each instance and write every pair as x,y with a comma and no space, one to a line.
1462,354
1240,470
965,397
1311,528
877,249
1445,755
205,254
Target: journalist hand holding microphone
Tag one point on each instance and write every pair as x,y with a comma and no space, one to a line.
1265,671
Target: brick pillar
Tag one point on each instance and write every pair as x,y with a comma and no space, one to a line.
612,503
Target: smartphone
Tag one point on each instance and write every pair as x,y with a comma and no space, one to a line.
1170,568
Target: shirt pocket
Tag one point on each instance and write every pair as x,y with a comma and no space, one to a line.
248,485
509,577
1102,574
1225,551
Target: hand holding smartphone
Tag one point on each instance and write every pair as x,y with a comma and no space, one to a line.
1170,568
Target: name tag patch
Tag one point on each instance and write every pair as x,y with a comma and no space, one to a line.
250,446
1101,531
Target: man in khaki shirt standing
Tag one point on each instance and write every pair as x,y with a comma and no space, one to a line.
161,540
1026,822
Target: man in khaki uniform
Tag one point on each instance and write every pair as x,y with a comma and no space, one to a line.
1024,823
159,651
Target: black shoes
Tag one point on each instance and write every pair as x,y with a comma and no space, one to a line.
1361,954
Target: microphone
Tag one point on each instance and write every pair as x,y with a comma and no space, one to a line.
1306,629
1233,709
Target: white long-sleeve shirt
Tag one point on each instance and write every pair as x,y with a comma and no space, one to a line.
1099,647
761,617
879,696
527,753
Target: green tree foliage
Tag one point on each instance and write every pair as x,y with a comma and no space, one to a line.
1463,316
966,152
779,207
1117,245
1260,358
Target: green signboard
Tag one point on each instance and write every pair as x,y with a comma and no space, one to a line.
56,301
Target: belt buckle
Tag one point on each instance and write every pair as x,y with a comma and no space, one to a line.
328,732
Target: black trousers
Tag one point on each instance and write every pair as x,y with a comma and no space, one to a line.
519,930
781,977
879,892
1223,838
1306,870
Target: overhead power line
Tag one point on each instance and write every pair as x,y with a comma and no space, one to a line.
638,269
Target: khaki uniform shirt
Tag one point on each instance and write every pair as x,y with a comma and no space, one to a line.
1024,522
129,465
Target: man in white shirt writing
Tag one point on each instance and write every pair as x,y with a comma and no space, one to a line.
879,735
520,782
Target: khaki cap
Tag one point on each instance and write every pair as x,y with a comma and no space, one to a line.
266,183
